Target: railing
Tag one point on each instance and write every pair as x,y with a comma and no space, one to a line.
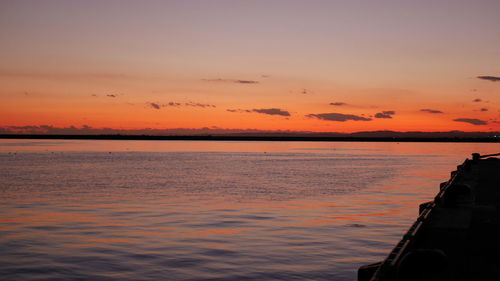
476,156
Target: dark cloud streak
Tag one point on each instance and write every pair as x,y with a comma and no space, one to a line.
338,117
338,103
272,111
197,104
431,111
178,104
173,104
385,114
472,121
268,111
489,78
239,110
246,81
154,105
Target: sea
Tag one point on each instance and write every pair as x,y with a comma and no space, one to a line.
211,210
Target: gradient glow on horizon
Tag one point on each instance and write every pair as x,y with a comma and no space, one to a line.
267,65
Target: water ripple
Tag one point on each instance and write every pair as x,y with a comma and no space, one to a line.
314,215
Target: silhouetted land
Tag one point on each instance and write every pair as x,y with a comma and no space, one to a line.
256,138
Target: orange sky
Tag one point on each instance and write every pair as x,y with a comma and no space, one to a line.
268,65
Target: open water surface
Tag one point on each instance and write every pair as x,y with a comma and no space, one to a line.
201,210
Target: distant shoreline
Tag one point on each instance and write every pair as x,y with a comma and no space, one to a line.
252,138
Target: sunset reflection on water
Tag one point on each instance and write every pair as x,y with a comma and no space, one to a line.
210,210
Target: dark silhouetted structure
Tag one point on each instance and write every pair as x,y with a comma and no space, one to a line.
456,236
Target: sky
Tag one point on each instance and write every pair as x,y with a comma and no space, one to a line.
321,66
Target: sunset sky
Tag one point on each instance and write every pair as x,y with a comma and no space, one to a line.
323,66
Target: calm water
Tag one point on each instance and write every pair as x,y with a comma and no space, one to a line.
174,210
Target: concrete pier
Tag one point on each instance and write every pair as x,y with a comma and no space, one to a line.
456,236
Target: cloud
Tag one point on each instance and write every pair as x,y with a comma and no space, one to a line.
477,100
338,103
272,111
239,81
338,117
385,114
472,121
382,115
489,78
172,104
268,111
431,110
196,104
111,95
239,110
154,105
483,109
178,104
246,81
